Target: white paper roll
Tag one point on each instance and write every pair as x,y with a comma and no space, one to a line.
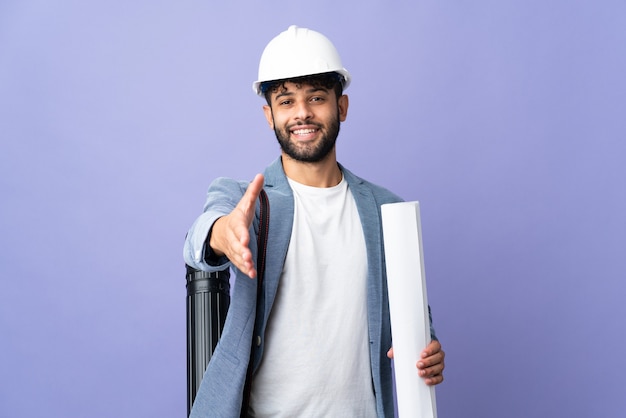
408,305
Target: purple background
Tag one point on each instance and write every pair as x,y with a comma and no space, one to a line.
504,118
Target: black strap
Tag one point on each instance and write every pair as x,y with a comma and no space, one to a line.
264,224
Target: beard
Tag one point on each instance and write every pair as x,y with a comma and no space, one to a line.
309,153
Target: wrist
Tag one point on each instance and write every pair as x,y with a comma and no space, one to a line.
212,242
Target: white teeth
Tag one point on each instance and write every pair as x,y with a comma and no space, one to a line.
303,131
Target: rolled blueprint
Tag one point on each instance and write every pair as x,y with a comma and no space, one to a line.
408,307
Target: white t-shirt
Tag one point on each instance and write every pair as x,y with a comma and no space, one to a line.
316,361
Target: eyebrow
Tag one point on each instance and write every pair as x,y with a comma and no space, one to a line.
308,91
283,94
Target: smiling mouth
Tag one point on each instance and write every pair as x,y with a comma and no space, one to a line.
303,131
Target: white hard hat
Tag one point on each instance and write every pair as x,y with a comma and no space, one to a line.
298,52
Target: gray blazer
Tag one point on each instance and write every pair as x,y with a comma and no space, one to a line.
220,393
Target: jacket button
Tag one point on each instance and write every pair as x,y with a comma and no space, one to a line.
258,340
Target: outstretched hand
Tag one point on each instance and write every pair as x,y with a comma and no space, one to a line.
431,363
230,235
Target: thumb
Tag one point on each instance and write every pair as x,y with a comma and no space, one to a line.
248,201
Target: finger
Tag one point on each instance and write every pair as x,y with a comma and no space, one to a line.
434,370
431,360
240,254
244,263
248,263
434,380
390,353
248,201
433,347
432,375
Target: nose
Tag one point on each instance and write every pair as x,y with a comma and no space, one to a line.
303,110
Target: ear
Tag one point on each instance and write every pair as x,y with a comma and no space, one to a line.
342,103
267,110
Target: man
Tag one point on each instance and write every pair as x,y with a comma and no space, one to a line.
322,336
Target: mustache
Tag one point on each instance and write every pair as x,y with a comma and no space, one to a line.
300,123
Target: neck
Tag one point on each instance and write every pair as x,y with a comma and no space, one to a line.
325,173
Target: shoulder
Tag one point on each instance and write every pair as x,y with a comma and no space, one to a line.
228,184
273,174
224,193
381,194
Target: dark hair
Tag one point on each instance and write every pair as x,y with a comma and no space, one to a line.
331,81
